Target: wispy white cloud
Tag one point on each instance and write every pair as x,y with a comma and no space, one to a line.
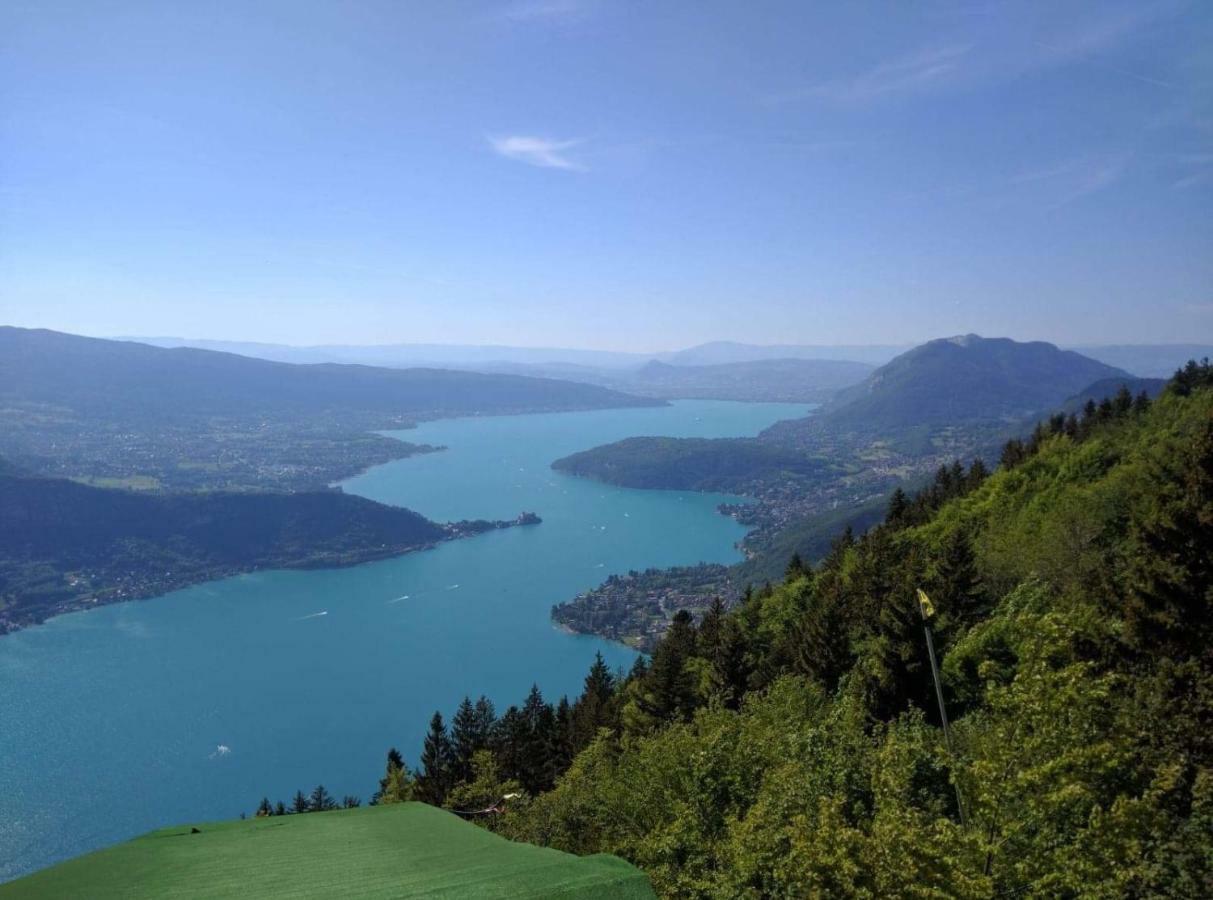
1089,176
1199,170
542,10
903,74
968,57
537,151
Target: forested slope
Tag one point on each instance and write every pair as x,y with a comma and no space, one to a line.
791,746
64,545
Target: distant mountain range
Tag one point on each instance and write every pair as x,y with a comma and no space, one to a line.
102,378
127,413
1146,360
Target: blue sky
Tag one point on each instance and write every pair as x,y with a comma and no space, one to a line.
635,176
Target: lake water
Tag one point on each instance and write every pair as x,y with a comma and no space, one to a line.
192,706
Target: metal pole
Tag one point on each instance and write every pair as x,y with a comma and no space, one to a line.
943,712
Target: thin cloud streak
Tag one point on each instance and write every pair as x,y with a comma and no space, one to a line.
542,10
537,151
907,73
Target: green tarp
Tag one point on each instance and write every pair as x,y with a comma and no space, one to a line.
404,850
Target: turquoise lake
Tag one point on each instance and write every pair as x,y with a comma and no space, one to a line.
191,706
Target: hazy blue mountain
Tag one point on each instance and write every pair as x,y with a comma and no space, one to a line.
96,378
461,356
719,352
126,414
496,357
951,381
1148,360
786,380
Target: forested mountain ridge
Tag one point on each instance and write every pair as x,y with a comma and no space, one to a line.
66,546
185,418
791,746
954,380
138,382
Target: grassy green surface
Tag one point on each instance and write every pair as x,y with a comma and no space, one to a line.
407,850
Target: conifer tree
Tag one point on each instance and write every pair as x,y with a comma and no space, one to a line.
956,586
795,568
395,786
899,506
465,740
300,803
1169,608
731,667
264,810
670,690
321,800
593,708
437,759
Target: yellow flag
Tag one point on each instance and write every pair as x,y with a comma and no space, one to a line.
924,601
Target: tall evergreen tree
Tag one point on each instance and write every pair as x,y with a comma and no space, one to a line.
731,668
669,688
821,642
321,800
795,568
1169,608
300,803
593,708
956,586
899,507
437,760
465,740
395,786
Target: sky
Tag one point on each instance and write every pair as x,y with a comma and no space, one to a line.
609,175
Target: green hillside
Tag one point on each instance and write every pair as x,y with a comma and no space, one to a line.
402,850
792,746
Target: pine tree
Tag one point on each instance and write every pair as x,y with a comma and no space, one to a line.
437,759
264,810
795,568
956,586
280,808
394,773
1169,608
465,740
486,718
538,758
899,507
321,800
593,708
821,648
300,804
731,667
670,689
